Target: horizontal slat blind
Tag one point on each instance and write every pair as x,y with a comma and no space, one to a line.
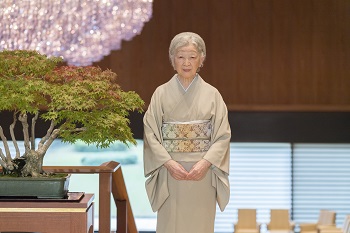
321,181
260,178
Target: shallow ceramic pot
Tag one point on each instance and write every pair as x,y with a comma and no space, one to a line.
34,187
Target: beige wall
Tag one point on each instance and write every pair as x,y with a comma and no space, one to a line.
273,55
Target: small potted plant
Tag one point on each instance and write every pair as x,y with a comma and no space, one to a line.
76,103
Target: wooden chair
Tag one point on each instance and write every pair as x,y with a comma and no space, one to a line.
326,218
333,229
280,221
247,222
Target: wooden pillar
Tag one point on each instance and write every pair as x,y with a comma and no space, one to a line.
105,181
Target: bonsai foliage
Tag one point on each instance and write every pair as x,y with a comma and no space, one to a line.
81,103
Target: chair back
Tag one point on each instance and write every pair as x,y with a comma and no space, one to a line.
246,219
279,219
326,217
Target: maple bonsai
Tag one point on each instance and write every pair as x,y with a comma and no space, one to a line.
80,103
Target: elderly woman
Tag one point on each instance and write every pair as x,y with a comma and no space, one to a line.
186,144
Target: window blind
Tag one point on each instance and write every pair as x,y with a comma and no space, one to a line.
260,178
321,181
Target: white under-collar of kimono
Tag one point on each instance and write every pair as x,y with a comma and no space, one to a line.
185,89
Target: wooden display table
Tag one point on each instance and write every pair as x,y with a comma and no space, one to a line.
48,216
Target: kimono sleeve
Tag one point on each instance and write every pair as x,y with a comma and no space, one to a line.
155,155
219,152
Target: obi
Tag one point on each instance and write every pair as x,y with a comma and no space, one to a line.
192,136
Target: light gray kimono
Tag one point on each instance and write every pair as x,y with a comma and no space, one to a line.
186,206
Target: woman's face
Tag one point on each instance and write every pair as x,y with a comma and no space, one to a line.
187,61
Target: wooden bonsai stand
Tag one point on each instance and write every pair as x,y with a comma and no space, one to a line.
48,216
111,182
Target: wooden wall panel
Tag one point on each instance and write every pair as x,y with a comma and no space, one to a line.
280,55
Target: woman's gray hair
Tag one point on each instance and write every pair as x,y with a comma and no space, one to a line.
185,39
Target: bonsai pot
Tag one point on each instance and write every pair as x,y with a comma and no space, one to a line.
34,187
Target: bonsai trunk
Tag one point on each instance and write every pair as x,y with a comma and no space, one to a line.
30,164
34,163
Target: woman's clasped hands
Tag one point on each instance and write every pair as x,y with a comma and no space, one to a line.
197,172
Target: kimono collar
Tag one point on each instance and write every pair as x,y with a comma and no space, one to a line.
195,78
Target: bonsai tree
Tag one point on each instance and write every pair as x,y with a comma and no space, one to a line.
76,103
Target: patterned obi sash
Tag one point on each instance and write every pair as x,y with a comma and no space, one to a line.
192,136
